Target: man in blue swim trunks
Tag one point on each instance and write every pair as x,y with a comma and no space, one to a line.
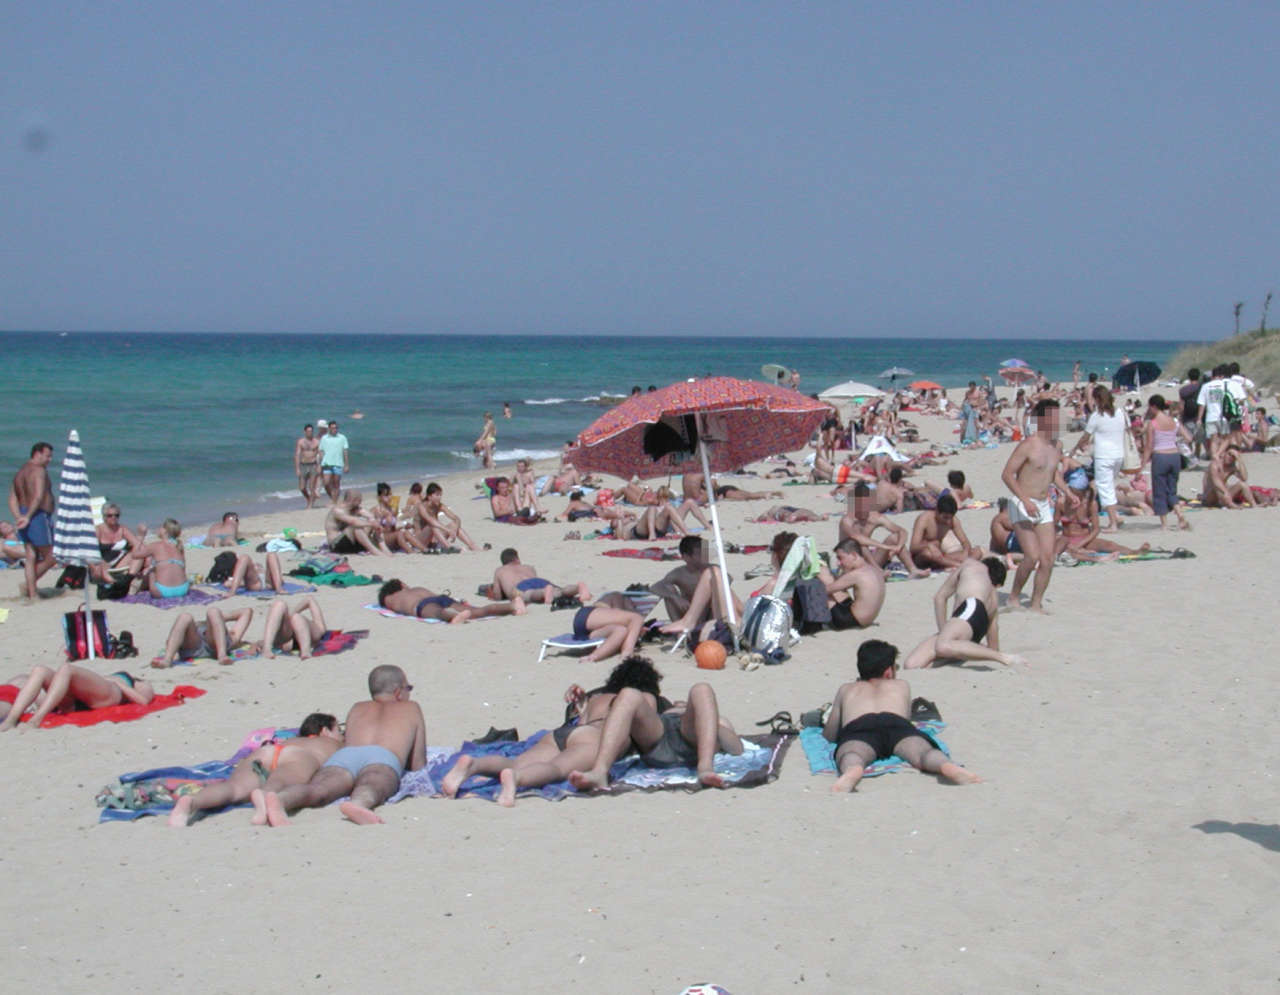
421,602
516,580
384,737
31,504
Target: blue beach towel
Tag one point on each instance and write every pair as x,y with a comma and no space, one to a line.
821,753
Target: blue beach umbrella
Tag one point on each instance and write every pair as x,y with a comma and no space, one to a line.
75,541
1009,363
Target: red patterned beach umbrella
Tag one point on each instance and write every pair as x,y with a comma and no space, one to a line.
656,434
713,425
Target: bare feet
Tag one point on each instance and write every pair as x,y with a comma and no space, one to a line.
507,796
1015,660
258,797
518,607
160,663
276,815
457,774
588,780
847,781
461,617
710,779
226,661
181,814
958,775
360,815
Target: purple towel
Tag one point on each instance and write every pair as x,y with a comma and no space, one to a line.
195,596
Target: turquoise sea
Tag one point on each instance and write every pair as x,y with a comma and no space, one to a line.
190,425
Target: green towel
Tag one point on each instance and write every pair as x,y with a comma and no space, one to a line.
342,579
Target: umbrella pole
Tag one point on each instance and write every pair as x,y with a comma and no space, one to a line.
88,615
715,531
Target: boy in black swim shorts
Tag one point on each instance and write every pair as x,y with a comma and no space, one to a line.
868,722
973,619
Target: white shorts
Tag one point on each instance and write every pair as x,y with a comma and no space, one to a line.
1043,515
1104,479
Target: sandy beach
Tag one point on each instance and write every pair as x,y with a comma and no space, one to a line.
1125,835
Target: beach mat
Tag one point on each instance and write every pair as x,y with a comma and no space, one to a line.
759,764
290,587
195,596
821,753
648,553
1151,554
128,712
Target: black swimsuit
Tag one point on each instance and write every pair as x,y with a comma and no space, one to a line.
974,612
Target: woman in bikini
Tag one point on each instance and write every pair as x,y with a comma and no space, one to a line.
571,746
1080,526
166,575
115,543
69,689
278,764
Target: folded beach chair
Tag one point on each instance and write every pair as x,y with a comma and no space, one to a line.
567,643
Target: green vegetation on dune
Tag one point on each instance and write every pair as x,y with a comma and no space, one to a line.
1258,354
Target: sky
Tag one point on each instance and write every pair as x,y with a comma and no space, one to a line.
848,168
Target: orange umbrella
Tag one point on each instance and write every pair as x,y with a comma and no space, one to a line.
925,385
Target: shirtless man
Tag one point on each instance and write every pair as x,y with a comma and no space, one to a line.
419,602
868,722
31,504
287,629
857,594
789,514
1032,467
1004,541
384,738
348,531
306,463
216,638
435,531
685,735
226,532
503,505
931,527
272,767
677,588
526,490
960,637
861,520
514,579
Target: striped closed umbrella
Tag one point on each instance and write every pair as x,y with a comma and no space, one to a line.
75,541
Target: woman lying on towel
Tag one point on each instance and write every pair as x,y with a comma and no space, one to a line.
68,689
571,746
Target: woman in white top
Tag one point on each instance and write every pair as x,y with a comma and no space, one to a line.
1106,427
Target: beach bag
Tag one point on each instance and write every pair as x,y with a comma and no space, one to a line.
1230,406
73,578
1132,461
766,623
224,564
77,638
810,607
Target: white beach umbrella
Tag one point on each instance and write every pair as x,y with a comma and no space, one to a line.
75,541
849,390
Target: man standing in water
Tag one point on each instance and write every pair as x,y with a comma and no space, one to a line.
31,504
306,463
1032,467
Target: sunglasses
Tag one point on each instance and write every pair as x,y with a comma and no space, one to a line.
112,514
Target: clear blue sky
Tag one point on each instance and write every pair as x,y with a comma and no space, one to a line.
1082,169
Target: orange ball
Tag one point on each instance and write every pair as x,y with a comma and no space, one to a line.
710,654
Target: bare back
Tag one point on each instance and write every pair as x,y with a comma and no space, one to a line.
397,726
860,697
31,487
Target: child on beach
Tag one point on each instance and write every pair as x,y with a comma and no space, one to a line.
868,722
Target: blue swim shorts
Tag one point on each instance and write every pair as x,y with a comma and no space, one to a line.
354,759
39,530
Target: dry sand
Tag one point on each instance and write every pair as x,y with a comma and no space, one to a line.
1079,864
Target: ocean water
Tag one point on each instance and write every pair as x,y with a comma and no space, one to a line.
191,425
